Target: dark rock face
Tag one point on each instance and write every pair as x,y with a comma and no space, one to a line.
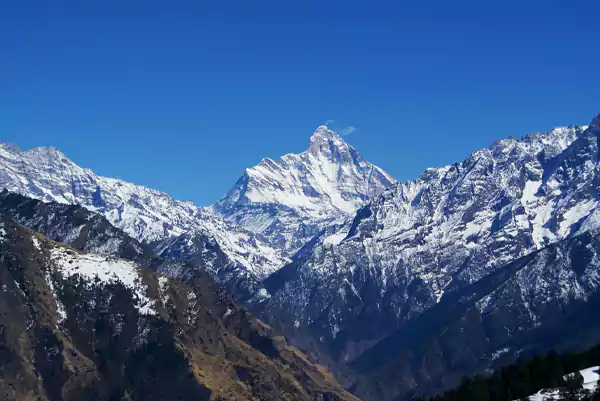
195,253
185,257
79,326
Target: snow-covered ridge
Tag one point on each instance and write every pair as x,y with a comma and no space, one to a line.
47,174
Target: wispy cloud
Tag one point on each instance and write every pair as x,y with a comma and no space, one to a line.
341,130
346,130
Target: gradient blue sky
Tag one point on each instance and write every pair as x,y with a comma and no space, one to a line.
183,97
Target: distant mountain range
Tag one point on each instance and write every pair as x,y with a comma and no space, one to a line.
400,287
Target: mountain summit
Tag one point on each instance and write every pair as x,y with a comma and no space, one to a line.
288,200
326,141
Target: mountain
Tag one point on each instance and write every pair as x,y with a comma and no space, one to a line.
397,286
83,326
418,241
290,200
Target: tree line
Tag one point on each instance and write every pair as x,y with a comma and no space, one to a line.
526,377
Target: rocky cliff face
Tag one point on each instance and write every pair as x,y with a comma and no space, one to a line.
73,225
451,227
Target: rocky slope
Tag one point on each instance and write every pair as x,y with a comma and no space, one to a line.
290,200
83,326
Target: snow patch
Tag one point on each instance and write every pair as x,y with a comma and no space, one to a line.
497,354
107,271
530,190
60,307
335,239
228,312
263,293
163,286
576,213
2,233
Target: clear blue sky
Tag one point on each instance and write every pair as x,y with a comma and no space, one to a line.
183,98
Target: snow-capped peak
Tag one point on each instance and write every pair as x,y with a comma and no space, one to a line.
329,175
289,199
327,142
45,154
323,130
323,134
